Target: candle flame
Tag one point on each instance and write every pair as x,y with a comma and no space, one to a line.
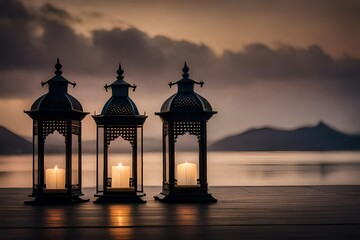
120,165
56,167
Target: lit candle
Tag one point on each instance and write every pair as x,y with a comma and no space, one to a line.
120,176
186,174
55,178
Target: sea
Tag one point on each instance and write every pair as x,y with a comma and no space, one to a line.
224,168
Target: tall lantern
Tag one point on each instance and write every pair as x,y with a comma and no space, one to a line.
120,176
57,178
185,112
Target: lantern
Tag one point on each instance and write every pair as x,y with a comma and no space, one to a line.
185,112
119,176
57,178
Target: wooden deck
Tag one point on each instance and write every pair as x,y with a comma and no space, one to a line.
316,212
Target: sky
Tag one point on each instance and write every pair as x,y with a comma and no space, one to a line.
276,63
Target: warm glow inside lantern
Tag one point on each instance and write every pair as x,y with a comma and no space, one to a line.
185,112
55,178
57,122
186,174
119,167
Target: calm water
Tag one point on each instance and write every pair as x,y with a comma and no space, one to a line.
224,168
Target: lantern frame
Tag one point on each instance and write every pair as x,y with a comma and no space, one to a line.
56,111
126,123
184,112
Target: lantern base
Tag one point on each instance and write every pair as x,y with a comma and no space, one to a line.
120,198
185,196
43,200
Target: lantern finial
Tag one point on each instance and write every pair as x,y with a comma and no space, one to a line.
186,84
58,67
120,83
120,73
185,71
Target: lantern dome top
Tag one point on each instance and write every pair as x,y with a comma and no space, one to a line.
51,102
186,100
120,102
57,99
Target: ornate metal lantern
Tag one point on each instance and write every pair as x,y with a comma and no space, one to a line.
120,176
57,178
185,112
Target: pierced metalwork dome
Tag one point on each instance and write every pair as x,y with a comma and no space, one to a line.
57,102
57,99
120,102
186,100
120,106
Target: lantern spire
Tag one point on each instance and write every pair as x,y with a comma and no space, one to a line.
185,71
58,83
120,73
58,67
186,84
120,83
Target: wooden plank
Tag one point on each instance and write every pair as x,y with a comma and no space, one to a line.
296,212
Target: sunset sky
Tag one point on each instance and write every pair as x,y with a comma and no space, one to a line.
274,63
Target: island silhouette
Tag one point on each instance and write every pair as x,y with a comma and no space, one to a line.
319,137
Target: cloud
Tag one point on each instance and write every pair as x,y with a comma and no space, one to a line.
13,10
94,14
31,41
52,12
157,57
284,86
15,35
258,61
131,46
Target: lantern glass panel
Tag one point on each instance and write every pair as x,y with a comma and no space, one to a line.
35,156
119,163
139,160
75,161
55,162
186,160
100,159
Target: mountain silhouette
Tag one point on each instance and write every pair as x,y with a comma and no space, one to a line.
316,138
11,143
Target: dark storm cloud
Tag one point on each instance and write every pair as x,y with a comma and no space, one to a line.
13,10
149,55
131,45
30,39
33,40
14,37
258,61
